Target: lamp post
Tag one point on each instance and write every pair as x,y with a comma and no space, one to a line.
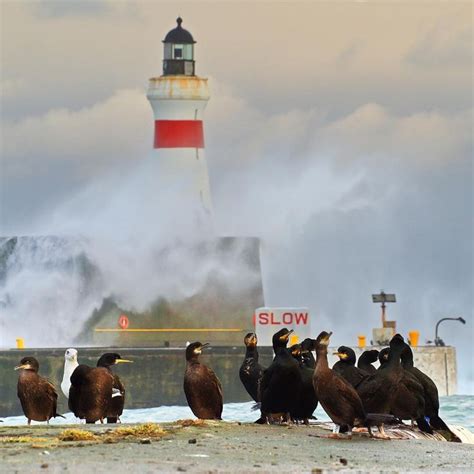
438,341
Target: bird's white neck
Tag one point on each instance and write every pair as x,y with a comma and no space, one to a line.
69,367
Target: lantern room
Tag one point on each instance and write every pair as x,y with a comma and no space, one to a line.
178,57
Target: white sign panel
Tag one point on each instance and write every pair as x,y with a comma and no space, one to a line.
270,320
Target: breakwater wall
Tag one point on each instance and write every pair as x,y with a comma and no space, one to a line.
156,376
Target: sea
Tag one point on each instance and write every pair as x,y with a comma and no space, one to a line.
455,410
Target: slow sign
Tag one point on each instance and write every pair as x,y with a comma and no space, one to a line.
270,320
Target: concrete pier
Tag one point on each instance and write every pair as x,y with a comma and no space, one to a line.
156,376
218,447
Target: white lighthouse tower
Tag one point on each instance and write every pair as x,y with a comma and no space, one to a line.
178,98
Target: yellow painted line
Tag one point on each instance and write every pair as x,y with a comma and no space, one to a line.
171,330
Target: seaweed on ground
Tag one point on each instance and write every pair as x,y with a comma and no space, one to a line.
73,434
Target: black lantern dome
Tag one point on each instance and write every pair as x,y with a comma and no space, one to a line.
179,34
178,54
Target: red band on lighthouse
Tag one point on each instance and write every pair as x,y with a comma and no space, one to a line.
179,134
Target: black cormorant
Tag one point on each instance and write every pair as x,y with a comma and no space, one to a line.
307,348
251,371
345,366
383,357
366,359
281,382
430,392
378,390
308,401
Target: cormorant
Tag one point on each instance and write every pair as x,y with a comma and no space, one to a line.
338,397
90,394
251,372
345,366
430,392
378,390
202,388
366,359
307,348
281,382
383,357
408,402
118,391
70,364
38,397
308,401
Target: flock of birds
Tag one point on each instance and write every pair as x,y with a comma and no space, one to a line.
287,391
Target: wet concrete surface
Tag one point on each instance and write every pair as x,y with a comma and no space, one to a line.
220,447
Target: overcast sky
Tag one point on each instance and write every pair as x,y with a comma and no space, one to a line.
340,133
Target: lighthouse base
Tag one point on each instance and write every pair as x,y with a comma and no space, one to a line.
220,311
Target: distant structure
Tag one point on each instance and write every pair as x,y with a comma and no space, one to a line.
383,335
229,287
178,99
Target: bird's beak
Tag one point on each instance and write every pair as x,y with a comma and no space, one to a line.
24,366
205,345
287,335
123,361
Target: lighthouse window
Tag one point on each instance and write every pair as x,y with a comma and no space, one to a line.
178,51
188,51
167,51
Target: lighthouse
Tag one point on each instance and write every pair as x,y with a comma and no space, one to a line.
178,99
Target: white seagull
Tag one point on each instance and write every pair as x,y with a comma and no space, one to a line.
70,364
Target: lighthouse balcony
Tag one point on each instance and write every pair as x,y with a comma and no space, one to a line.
175,67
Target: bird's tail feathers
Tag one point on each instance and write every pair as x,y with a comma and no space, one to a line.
437,423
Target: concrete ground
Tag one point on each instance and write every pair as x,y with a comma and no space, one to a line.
217,447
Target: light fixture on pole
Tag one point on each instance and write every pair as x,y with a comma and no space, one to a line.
438,341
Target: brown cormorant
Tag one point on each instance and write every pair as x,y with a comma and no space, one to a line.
378,390
38,397
90,394
346,368
338,397
366,359
202,388
118,391
308,401
430,392
281,382
251,371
